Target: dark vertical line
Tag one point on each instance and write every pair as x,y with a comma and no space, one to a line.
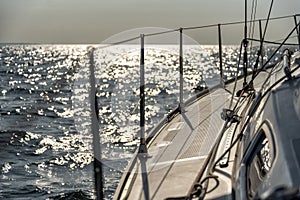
143,146
220,55
142,98
181,70
268,19
261,53
260,31
245,43
98,173
245,26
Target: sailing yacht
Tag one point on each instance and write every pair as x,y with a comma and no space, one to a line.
236,140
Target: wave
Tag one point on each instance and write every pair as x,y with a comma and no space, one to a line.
73,195
35,192
24,192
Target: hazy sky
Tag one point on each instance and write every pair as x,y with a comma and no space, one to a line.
93,21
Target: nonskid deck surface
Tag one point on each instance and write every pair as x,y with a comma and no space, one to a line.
177,153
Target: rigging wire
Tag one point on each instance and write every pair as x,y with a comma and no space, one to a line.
271,57
261,42
276,42
252,21
236,76
268,19
120,42
189,28
234,23
162,32
252,24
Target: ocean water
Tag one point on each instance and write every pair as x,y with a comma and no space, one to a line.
45,138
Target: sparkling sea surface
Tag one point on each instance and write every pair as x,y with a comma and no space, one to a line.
45,137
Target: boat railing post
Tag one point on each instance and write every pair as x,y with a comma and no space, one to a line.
98,172
261,43
220,56
143,152
143,147
298,29
245,45
181,106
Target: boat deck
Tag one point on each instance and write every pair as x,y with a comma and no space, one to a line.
177,153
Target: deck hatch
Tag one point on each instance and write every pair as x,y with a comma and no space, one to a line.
176,126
